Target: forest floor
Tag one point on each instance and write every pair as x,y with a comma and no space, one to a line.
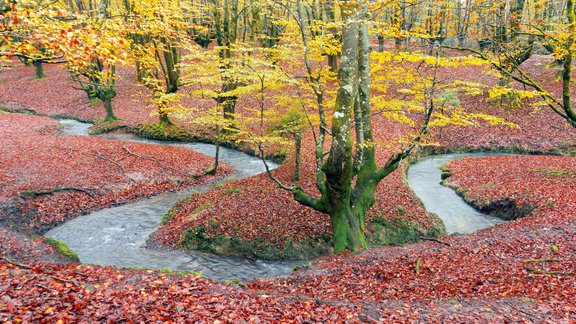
522,270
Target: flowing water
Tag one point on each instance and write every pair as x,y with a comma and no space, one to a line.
457,215
117,236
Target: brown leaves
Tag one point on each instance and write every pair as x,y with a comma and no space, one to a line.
59,171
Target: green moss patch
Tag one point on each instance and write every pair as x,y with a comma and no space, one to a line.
398,231
200,239
162,131
62,248
105,126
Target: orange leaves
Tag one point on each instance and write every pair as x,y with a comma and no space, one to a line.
539,181
103,167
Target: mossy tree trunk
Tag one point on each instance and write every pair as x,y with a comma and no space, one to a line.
298,155
110,116
169,60
567,66
226,24
39,69
348,177
98,87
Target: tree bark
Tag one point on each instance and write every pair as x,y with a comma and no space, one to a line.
297,157
567,67
347,228
39,69
109,111
348,232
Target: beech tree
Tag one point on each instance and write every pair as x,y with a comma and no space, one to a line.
512,42
93,48
158,34
25,33
348,173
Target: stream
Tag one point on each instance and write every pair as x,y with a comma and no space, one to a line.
458,216
117,236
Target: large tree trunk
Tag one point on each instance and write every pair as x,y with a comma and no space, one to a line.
39,70
298,155
380,43
567,67
346,186
347,226
348,232
228,102
109,111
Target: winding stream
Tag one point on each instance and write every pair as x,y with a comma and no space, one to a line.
458,217
117,236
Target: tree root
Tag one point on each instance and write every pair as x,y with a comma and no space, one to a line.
542,260
32,194
562,273
435,240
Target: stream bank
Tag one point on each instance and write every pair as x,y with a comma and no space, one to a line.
117,236
424,177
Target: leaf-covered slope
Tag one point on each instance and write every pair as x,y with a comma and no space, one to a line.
46,177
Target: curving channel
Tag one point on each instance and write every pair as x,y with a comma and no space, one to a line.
117,236
458,216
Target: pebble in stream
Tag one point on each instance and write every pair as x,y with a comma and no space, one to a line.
116,236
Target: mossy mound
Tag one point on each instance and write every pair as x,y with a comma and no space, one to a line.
103,126
199,239
62,248
163,131
399,231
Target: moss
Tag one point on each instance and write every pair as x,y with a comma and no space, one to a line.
235,282
104,126
398,231
166,132
94,102
202,239
231,191
555,172
23,111
62,248
162,131
180,273
167,271
401,210
174,210
446,172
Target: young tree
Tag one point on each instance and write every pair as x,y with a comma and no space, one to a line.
93,48
28,32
